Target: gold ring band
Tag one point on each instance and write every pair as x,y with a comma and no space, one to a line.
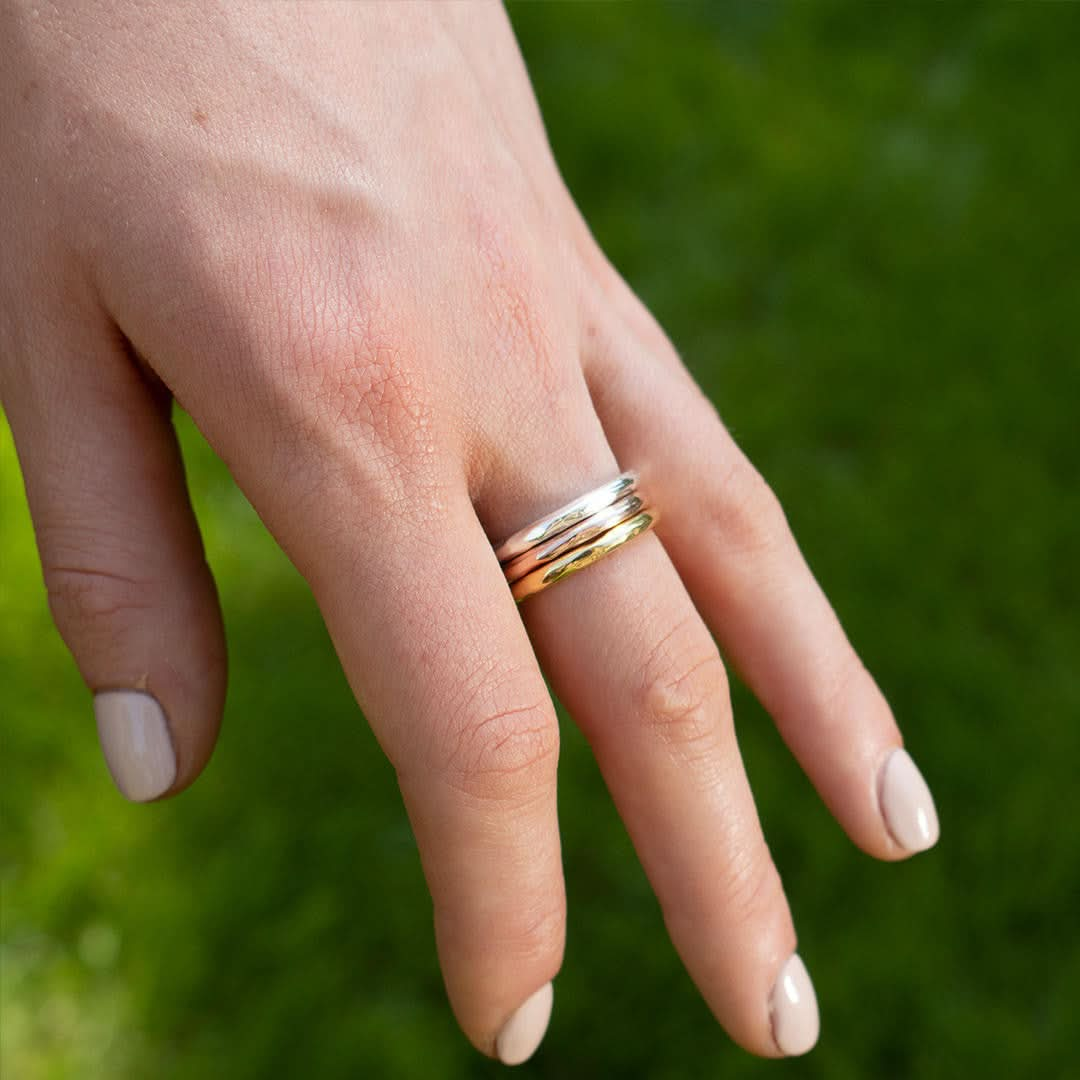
577,559
575,536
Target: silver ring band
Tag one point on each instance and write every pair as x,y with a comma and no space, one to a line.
566,517
575,536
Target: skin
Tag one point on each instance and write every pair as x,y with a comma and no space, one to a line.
337,236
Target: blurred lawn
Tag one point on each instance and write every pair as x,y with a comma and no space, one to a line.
860,225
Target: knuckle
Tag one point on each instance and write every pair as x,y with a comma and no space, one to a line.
511,296
376,396
362,391
535,933
746,896
504,753
359,417
683,691
334,361
530,931
516,301
84,600
746,511
750,889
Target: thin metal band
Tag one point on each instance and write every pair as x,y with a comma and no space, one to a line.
566,516
583,556
573,537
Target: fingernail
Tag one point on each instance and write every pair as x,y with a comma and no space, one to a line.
794,1009
522,1033
906,803
135,738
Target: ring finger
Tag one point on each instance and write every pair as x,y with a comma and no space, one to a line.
631,659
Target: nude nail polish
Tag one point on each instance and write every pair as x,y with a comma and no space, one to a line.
794,1009
906,803
135,739
523,1032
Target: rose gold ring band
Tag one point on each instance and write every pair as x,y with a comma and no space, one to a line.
575,536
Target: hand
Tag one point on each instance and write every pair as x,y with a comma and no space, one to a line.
336,235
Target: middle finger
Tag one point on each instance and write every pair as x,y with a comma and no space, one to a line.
632,660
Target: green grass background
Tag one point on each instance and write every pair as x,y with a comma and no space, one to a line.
860,225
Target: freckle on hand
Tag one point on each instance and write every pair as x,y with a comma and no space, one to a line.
199,117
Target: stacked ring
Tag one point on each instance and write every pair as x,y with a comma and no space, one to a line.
574,536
